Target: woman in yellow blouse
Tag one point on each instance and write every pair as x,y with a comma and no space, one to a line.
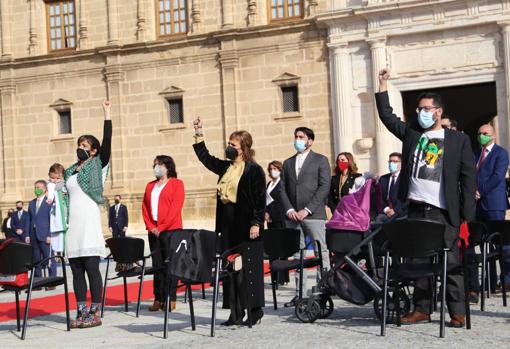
240,208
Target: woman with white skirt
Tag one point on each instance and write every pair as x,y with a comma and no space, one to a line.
84,241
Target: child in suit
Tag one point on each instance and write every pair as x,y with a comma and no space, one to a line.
57,198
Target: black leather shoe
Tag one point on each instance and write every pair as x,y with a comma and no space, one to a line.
256,317
232,322
292,303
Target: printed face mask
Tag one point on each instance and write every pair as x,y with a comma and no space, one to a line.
426,119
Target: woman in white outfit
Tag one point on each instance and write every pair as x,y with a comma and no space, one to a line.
84,243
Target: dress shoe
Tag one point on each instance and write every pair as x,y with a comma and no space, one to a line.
292,303
232,322
415,318
499,289
457,321
155,306
473,297
173,304
256,317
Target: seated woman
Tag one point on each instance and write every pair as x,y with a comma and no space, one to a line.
342,183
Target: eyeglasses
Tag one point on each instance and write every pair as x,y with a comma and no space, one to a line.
427,108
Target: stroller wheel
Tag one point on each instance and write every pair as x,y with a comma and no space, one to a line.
405,306
326,304
307,310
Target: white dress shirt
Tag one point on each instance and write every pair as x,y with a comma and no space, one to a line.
156,192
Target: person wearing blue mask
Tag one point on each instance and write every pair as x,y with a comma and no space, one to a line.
438,179
392,207
304,192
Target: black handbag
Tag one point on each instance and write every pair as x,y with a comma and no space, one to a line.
192,254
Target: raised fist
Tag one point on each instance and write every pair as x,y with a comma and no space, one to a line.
197,123
384,74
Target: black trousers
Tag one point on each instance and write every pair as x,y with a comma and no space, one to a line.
117,232
455,281
161,280
89,265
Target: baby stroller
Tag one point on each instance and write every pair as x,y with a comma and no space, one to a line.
352,278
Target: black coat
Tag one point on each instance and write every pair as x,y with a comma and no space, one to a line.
9,232
334,194
275,209
120,222
249,209
459,173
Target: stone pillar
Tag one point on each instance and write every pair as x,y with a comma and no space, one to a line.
140,21
33,36
505,34
113,23
5,29
9,175
227,14
252,13
383,139
196,19
341,89
82,26
229,63
114,77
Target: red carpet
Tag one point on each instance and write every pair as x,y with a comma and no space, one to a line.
56,304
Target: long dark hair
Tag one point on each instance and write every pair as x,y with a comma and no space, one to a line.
93,141
353,168
169,164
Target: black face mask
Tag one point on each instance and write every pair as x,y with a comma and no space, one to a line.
19,208
82,154
117,201
231,153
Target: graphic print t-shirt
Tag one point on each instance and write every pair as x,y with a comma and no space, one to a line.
426,183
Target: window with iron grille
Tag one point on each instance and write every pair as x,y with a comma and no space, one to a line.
61,24
172,17
290,99
176,113
64,120
284,9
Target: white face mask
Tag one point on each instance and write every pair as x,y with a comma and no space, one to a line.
275,174
159,171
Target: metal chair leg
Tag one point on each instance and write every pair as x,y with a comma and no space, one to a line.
443,296
203,290
27,305
167,308
105,286
66,296
215,294
273,287
466,286
140,289
385,295
484,281
191,309
18,326
503,273
125,295
396,304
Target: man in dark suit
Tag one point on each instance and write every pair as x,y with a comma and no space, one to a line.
304,191
391,205
492,203
40,236
7,226
118,218
20,223
438,178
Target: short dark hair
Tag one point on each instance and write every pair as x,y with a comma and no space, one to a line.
118,195
56,168
41,181
169,164
307,131
19,202
397,154
93,141
438,101
275,163
454,123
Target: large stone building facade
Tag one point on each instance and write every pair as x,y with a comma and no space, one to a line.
266,66
161,62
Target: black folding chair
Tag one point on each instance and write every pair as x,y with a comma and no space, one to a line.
126,250
280,244
491,251
16,258
499,234
410,239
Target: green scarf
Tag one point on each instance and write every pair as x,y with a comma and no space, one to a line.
90,178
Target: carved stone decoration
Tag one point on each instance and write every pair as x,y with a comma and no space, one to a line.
33,37
312,7
365,144
82,26
252,12
140,21
195,16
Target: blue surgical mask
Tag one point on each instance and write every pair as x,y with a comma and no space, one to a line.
393,167
426,119
300,145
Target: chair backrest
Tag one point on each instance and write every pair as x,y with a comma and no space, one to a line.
281,243
477,231
126,249
342,241
414,238
15,258
502,227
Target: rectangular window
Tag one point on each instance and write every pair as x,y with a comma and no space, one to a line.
176,113
61,24
64,120
172,17
286,9
290,99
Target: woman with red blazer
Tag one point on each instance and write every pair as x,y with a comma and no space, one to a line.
162,213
